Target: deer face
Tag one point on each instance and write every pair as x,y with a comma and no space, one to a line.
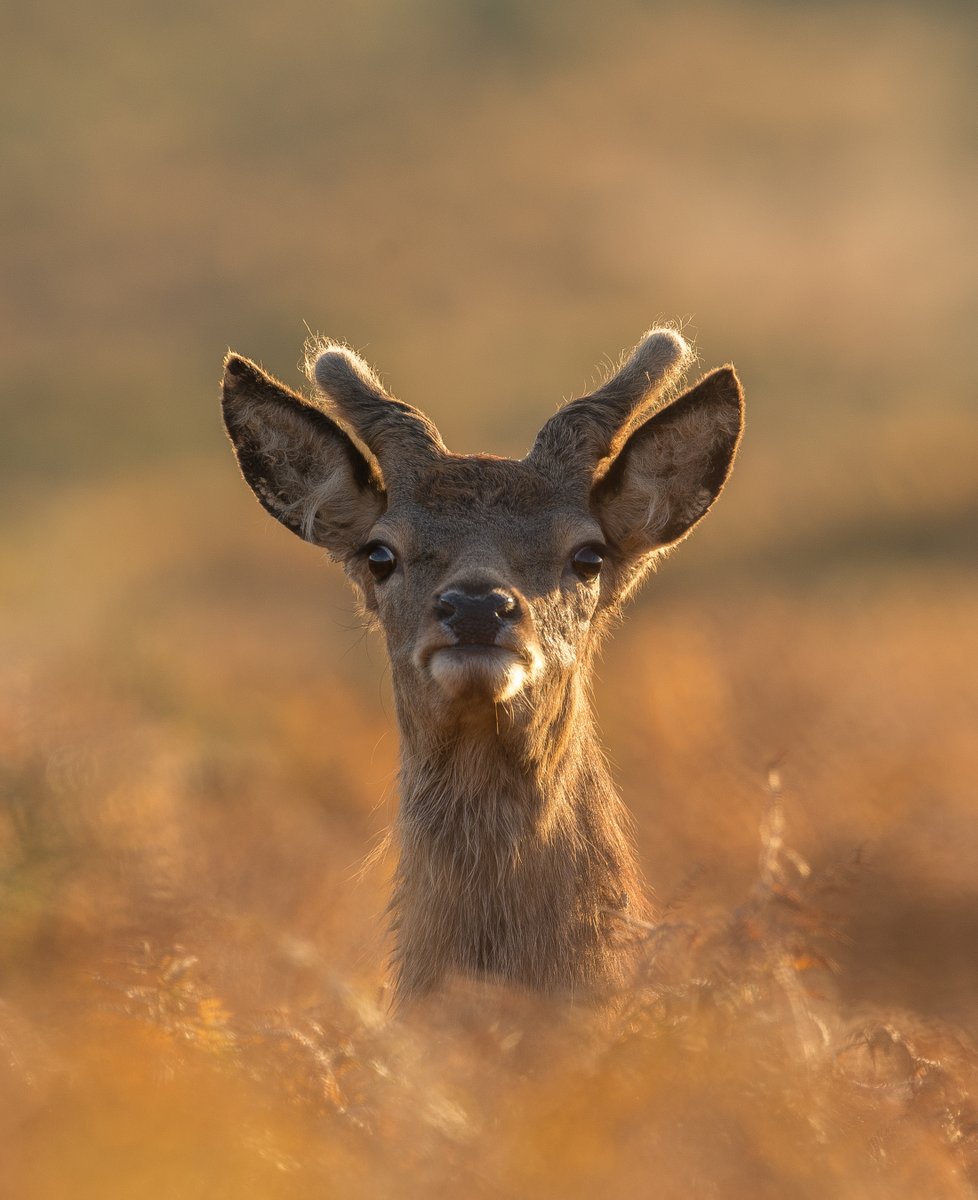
490,577
485,579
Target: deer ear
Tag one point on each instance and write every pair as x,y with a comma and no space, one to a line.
304,469
672,468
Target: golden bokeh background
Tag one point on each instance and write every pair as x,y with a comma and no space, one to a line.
490,199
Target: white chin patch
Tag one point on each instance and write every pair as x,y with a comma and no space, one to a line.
489,671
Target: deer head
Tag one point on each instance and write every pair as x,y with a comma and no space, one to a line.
491,578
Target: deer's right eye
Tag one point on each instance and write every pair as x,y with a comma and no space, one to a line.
381,561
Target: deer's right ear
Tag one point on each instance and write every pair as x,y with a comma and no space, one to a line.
304,469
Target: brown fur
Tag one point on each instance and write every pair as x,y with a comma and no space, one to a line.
515,861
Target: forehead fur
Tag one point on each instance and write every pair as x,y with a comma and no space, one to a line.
457,484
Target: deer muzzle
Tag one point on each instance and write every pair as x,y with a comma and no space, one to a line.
477,645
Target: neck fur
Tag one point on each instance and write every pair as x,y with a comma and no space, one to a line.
514,852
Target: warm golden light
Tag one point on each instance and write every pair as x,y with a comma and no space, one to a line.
197,750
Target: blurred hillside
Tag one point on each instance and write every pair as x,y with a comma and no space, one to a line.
490,199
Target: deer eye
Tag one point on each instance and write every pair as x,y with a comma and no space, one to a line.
587,562
381,560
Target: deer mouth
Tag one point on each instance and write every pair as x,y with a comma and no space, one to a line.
477,669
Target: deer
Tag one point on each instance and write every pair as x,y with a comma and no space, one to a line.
493,582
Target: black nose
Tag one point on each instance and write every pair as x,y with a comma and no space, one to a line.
475,620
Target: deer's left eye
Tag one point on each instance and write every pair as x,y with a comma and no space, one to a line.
587,562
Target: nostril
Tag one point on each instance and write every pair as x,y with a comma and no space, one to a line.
505,605
444,606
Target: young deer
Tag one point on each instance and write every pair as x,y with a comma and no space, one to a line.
493,581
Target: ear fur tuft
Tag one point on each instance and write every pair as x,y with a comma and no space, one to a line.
235,367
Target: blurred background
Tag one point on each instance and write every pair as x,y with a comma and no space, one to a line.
489,199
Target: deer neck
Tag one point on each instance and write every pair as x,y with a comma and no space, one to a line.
514,855
543,762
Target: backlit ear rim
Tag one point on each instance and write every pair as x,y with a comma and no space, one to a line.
671,470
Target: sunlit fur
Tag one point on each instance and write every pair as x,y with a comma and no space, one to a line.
494,671
515,861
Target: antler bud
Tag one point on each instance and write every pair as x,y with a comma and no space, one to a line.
398,435
588,430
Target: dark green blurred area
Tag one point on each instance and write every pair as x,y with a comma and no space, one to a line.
490,200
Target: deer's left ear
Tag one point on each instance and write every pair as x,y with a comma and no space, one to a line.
672,468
